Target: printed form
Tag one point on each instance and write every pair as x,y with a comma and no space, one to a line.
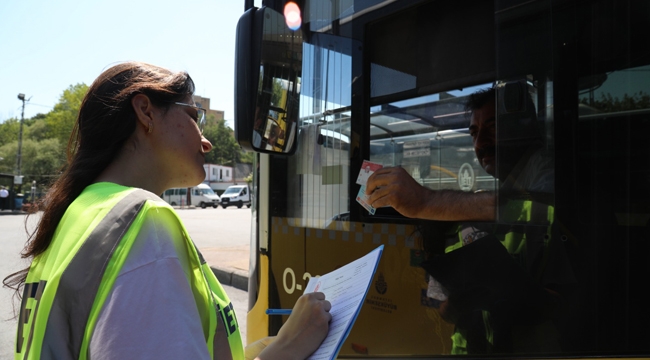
345,288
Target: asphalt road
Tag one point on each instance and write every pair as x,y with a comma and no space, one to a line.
211,229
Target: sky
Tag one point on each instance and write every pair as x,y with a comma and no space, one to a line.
46,46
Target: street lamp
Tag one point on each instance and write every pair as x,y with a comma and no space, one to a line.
21,97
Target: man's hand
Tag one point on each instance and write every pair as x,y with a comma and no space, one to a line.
393,186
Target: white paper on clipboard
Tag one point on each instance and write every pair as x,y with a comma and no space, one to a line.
345,288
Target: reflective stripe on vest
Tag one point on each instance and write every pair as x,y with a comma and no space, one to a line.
227,335
527,244
75,295
525,234
66,335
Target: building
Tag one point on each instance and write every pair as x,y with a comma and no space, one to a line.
205,103
220,177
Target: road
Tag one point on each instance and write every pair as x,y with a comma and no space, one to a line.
213,230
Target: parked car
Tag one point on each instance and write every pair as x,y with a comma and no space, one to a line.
201,195
236,195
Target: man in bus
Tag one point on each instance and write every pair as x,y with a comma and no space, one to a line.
523,167
502,307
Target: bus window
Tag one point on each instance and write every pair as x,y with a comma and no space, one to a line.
613,110
319,176
428,137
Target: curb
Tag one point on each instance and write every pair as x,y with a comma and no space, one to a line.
231,277
12,212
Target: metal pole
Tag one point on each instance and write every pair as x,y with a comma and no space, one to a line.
234,167
20,135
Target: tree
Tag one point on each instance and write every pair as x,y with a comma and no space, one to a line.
246,157
10,128
9,131
46,161
38,131
225,149
40,160
607,103
8,154
60,121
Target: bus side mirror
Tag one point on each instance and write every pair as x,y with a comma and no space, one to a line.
268,67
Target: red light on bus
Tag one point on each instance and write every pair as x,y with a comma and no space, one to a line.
292,16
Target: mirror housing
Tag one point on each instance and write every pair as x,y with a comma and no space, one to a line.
268,68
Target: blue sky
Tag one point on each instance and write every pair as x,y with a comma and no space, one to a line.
46,46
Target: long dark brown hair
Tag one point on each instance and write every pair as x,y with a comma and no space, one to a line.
106,120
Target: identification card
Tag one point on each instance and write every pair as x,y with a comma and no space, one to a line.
367,169
362,199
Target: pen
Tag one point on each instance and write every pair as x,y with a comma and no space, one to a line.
278,311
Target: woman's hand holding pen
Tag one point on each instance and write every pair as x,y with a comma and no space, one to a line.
304,331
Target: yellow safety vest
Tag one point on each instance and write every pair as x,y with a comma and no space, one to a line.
68,284
528,245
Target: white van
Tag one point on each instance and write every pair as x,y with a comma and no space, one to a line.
236,195
201,195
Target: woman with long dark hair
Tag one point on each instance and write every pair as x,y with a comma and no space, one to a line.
114,273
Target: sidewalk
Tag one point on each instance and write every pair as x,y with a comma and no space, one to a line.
230,265
12,212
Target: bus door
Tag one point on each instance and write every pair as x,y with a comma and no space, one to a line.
389,82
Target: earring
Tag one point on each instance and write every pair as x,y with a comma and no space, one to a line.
150,129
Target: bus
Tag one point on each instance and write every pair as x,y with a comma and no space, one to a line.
388,82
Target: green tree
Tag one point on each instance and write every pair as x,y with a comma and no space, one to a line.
9,131
38,131
44,140
608,103
246,157
277,92
61,119
45,163
8,154
40,160
225,149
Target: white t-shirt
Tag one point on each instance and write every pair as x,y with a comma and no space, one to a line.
151,313
538,174
4,193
